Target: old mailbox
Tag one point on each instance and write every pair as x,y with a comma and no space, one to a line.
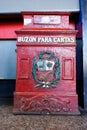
46,65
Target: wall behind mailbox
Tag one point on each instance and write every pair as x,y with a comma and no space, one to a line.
7,59
16,6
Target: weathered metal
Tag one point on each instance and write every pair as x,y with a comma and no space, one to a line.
46,68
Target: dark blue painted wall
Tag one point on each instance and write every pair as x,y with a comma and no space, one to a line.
79,72
84,22
7,88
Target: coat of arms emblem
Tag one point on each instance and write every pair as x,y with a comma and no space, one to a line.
46,70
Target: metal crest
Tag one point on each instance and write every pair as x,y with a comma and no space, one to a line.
46,70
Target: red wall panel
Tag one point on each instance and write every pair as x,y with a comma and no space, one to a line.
7,29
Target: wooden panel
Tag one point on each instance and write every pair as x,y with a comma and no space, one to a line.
68,68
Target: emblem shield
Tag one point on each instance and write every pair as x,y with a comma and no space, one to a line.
46,70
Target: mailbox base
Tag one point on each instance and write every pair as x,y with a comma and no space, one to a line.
45,103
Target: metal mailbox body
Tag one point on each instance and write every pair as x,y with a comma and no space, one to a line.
46,66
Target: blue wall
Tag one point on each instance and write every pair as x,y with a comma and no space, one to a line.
7,59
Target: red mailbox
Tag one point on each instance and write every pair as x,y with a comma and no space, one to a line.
46,65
